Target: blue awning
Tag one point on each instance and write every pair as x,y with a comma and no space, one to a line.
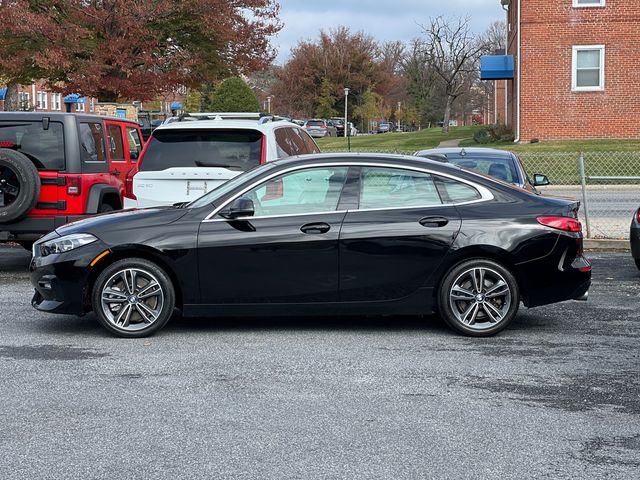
3,93
74,98
176,106
496,67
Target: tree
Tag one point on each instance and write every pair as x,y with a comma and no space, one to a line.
453,54
131,49
232,95
369,108
326,101
193,102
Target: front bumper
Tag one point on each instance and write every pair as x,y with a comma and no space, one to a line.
61,280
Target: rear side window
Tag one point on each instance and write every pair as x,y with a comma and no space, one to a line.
45,148
91,143
135,144
458,192
234,150
303,142
284,143
116,145
311,145
394,187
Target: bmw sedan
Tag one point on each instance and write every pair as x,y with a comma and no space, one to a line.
322,235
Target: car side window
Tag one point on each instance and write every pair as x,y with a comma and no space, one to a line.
91,142
394,187
283,143
304,143
135,144
313,190
116,145
458,192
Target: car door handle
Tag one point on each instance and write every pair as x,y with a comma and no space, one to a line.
315,228
115,172
434,222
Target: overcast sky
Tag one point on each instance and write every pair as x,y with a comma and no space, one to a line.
385,20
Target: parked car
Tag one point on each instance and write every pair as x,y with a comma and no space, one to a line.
58,167
318,128
501,164
339,124
185,159
635,238
317,235
384,127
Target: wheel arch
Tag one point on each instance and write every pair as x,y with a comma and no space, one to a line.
135,251
489,252
101,193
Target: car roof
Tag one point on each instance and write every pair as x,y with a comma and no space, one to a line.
493,152
241,124
59,115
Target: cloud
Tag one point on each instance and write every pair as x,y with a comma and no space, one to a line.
384,20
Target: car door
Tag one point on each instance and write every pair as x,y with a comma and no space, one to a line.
118,156
399,234
287,252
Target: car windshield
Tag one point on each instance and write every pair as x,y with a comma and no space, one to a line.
212,197
501,168
45,148
233,150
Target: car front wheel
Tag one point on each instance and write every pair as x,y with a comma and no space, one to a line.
133,298
479,297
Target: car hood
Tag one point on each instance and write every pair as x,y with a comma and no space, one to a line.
123,220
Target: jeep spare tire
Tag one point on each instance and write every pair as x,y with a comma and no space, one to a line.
19,185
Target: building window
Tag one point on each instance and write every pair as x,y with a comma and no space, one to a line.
56,100
588,3
588,68
79,107
42,100
24,101
92,106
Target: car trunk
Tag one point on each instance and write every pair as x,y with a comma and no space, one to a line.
182,165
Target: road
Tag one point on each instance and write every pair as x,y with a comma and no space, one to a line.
555,396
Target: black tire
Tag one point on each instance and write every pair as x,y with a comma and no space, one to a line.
105,208
637,260
19,185
136,322
486,315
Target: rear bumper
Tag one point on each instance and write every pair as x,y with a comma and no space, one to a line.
32,228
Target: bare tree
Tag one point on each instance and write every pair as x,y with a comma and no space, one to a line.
495,37
453,54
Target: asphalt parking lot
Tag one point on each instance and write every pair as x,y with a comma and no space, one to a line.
557,395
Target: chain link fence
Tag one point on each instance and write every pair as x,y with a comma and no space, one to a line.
606,183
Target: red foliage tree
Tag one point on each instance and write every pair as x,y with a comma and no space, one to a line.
133,49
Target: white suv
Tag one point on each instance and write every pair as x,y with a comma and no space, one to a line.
191,156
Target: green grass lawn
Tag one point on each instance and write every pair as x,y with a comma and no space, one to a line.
396,142
563,146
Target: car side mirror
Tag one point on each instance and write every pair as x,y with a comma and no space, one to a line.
240,207
540,180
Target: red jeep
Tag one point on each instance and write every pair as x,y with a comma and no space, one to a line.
59,167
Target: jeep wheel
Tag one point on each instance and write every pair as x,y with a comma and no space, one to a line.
19,185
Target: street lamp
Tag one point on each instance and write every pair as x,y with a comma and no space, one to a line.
399,129
269,104
346,96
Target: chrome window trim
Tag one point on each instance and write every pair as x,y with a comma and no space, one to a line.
485,193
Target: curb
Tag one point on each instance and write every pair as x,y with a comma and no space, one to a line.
607,245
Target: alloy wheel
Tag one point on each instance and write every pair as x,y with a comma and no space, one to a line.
132,299
9,186
480,298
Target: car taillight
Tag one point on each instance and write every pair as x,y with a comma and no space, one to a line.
8,145
638,216
128,184
74,185
323,126
263,150
565,224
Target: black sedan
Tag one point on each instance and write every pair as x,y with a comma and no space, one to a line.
501,164
321,235
635,238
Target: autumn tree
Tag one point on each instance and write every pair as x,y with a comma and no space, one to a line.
131,49
232,95
326,101
368,108
452,53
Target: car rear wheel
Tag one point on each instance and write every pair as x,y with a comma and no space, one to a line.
479,297
133,298
637,260
19,185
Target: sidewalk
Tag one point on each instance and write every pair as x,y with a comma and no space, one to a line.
450,143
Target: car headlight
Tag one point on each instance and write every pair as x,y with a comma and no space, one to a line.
66,243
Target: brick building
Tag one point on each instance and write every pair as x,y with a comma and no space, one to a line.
576,69
38,98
